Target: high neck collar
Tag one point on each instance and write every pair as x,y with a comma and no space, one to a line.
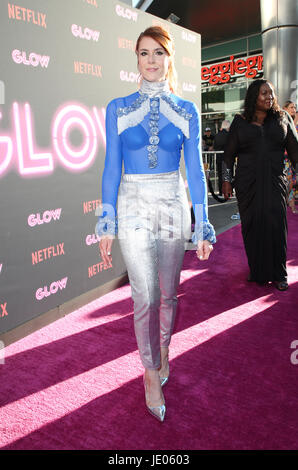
153,89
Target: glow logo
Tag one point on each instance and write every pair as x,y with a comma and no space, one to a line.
19,149
129,76
92,239
85,33
46,218
189,37
126,13
33,59
54,287
189,87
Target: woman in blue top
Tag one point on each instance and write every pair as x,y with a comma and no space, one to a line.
146,131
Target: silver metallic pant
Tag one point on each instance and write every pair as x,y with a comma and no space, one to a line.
153,225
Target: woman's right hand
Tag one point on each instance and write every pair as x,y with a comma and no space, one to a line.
227,189
105,248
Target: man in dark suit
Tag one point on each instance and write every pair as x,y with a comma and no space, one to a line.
220,141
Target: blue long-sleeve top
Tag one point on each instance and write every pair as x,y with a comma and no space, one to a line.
147,135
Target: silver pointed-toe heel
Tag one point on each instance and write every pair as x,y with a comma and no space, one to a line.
158,412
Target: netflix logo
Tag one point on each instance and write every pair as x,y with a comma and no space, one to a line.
3,310
16,12
97,268
47,253
124,43
90,206
189,62
91,2
88,69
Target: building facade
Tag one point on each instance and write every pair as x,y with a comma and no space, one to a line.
227,70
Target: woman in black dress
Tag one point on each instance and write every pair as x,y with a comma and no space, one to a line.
258,139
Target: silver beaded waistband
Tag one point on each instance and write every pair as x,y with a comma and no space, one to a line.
155,177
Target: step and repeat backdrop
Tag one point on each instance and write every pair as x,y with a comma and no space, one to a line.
62,61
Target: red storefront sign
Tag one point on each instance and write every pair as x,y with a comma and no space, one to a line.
222,72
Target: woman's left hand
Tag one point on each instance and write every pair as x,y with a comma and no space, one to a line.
204,249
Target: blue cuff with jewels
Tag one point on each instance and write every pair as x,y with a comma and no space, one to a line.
106,226
204,231
107,222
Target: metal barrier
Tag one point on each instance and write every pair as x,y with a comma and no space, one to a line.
209,161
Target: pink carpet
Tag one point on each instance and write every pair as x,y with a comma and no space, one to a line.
77,383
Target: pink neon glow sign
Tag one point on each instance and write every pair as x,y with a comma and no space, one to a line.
19,149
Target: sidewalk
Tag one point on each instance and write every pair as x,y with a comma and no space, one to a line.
220,214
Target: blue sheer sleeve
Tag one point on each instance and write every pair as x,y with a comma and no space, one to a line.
107,224
197,181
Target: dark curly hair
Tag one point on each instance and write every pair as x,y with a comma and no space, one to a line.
251,100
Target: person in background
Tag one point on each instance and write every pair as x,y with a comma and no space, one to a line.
296,120
207,145
146,132
259,138
220,141
290,107
208,139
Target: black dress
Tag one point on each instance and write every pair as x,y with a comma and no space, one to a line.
261,191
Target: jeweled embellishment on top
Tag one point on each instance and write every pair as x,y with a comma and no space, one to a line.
133,107
181,111
153,127
176,114
134,114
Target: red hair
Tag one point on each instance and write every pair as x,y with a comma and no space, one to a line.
165,40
